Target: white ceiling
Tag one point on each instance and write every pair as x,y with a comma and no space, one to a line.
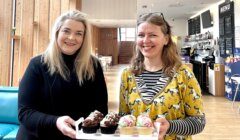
123,13
111,13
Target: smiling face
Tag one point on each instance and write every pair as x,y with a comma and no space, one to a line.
151,40
70,36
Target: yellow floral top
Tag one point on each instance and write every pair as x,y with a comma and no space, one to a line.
181,97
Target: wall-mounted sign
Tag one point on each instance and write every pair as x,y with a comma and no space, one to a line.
225,8
226,29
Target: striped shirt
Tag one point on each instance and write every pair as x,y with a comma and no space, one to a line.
151,83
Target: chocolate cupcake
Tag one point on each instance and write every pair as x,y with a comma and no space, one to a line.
92,122
110,123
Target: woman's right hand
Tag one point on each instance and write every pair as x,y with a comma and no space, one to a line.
64,124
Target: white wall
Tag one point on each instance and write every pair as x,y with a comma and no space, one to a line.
237,11
214,12
179,27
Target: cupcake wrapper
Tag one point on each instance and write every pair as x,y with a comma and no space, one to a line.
108,130
90,129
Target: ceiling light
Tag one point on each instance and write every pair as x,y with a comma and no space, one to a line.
178,4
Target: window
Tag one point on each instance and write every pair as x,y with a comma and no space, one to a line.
127,34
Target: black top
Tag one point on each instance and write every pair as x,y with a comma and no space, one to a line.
44,97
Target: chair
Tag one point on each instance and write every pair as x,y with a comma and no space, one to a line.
236,78
106,61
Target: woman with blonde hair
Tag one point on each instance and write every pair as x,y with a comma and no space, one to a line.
63,84
157,83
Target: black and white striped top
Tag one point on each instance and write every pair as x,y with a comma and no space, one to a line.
151,83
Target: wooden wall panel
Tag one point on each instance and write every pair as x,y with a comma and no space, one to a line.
34,20
64,6
35,27
5,41
26,48
17,60
79,5
95,39
108,43
75,4
55,7
219,71
125,52
43,26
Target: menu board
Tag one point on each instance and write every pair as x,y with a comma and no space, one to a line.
226,29
228,44
222,46
228,25
194,26
191,29
197,25
221,26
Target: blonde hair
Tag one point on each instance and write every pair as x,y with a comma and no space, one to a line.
170,55
84,61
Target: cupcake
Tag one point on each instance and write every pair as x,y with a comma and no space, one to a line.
109,123
144,125
92,122
127,125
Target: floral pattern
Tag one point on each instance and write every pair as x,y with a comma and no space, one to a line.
179,99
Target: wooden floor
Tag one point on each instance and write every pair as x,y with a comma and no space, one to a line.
222,120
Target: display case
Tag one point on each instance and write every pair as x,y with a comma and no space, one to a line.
232,67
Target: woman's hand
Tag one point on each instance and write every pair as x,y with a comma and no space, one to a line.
64,124
164,125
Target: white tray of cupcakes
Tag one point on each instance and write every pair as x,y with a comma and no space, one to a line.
110,127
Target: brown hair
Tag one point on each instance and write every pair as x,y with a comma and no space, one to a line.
170,55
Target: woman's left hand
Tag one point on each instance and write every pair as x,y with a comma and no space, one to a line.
164,125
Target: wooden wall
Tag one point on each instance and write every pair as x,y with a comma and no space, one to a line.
5,40
108,43
34,20
125,52
95,39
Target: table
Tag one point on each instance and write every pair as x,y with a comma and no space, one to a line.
106,61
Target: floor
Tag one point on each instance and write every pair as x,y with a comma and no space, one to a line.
223,119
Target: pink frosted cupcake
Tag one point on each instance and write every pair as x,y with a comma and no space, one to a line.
127,125
144,125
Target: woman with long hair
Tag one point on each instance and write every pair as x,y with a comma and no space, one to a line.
157,83
63,84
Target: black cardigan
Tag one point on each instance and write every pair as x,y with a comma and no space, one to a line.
44,97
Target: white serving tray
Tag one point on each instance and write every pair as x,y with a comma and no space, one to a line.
99,136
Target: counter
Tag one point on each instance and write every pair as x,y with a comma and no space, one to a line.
216,80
